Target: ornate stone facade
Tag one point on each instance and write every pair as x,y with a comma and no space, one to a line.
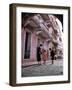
44,29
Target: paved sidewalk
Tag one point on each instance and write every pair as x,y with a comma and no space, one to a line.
47,69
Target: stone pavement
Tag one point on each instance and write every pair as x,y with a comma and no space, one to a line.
47,69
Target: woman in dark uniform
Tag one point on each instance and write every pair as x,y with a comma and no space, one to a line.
39,55
52,55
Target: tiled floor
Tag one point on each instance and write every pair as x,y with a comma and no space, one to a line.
47,69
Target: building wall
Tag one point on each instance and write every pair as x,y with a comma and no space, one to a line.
33,48
23,32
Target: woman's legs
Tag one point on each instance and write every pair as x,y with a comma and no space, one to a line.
44,62
52,60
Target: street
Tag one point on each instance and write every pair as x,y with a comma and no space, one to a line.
47,69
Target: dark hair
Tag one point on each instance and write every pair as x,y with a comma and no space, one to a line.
44,50
41,45
50,49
